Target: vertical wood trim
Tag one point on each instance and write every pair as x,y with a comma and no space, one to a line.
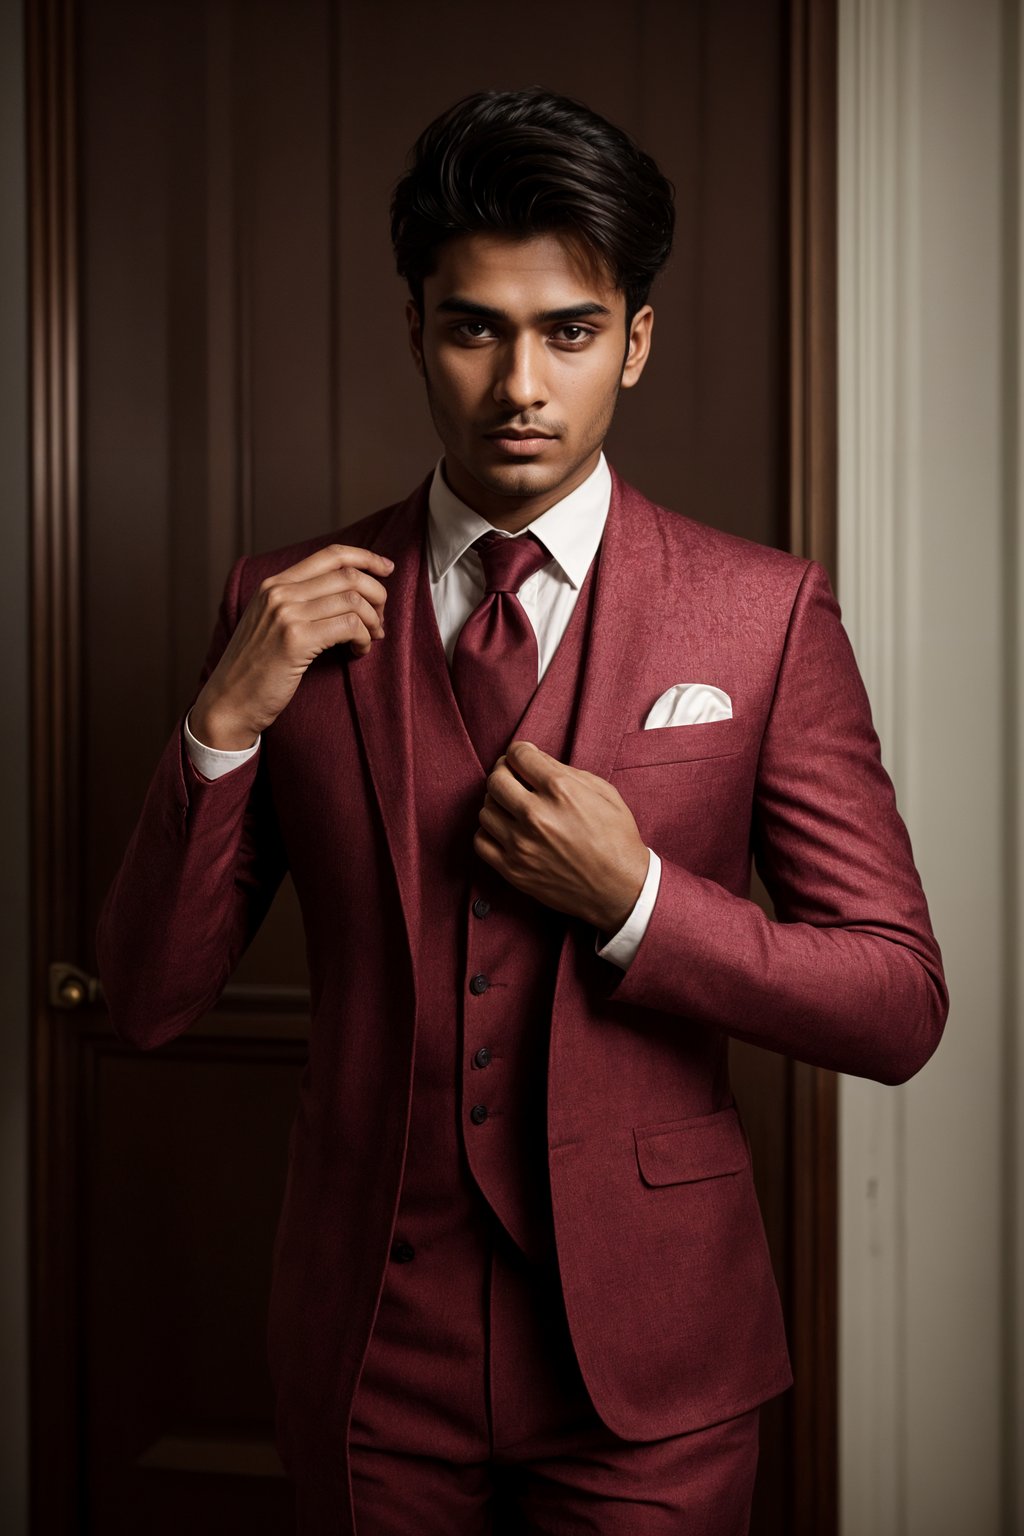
334,274
1013,1151
55,704
877,92
814,1314
223,541
812,254
242,258
812,533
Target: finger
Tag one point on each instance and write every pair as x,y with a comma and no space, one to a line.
342,579
342,629
333,556
487,848
331,606
507,790
496,822
532,764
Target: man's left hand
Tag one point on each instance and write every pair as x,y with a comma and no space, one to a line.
562,835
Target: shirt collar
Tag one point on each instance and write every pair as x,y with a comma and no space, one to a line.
571,530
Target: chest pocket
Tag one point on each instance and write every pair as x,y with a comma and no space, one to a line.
690,789
680,744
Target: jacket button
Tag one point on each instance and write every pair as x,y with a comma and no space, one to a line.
481,907
402,1253
478,1114
478,984
482,1058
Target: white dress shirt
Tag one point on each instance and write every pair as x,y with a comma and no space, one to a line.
571,531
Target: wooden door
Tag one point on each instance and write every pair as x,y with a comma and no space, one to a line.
219,365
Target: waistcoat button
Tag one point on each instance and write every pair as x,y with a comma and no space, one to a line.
479,984
481,907
402,1253
482,1057
478,1114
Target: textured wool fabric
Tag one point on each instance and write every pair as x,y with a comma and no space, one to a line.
494,663
665,1273
472,1417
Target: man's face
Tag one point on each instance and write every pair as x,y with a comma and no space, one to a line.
523,350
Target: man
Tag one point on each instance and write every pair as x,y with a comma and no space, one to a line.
516,739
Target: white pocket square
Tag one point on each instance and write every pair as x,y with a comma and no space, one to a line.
689,704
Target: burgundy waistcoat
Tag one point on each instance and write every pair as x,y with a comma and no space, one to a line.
487,966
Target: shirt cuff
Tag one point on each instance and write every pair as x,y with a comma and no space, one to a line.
622,946
211,762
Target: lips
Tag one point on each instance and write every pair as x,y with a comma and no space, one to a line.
519,443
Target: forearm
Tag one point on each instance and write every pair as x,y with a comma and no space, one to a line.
192,887
860,997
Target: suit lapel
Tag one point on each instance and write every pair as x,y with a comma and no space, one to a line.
630,574
381,685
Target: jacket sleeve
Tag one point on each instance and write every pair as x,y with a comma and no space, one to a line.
848,974
199,874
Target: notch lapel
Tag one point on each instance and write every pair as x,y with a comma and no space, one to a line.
381,691
632,570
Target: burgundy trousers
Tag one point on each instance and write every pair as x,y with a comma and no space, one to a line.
472,1417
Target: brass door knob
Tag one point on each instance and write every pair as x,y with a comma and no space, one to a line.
70,987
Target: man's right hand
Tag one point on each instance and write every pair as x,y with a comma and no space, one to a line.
330,598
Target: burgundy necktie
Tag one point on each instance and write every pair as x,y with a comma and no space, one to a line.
494,664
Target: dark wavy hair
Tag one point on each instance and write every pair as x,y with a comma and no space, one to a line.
524,163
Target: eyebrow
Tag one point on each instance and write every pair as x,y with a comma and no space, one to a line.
460,306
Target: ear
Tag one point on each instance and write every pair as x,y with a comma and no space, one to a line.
639,348
415,324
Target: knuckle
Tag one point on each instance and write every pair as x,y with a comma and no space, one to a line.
521,845
559,783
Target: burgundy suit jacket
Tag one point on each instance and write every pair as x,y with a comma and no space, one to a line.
664,1265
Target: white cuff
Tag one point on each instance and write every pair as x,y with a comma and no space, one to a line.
211,762
622,946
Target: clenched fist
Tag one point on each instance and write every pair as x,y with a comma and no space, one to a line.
562,835
330,598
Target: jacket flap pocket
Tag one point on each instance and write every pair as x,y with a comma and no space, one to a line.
683,1151
679,743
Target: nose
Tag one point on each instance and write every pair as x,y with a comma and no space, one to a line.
518,385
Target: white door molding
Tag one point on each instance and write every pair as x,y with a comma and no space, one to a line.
876,118
929,395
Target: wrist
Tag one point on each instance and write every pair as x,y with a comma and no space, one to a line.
616,912
218,728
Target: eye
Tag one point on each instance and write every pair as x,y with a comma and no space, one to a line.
472,330
571,337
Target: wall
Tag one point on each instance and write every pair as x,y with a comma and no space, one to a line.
930,353
14,808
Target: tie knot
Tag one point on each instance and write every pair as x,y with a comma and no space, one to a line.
508,563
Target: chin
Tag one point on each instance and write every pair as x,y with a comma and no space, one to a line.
519,479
